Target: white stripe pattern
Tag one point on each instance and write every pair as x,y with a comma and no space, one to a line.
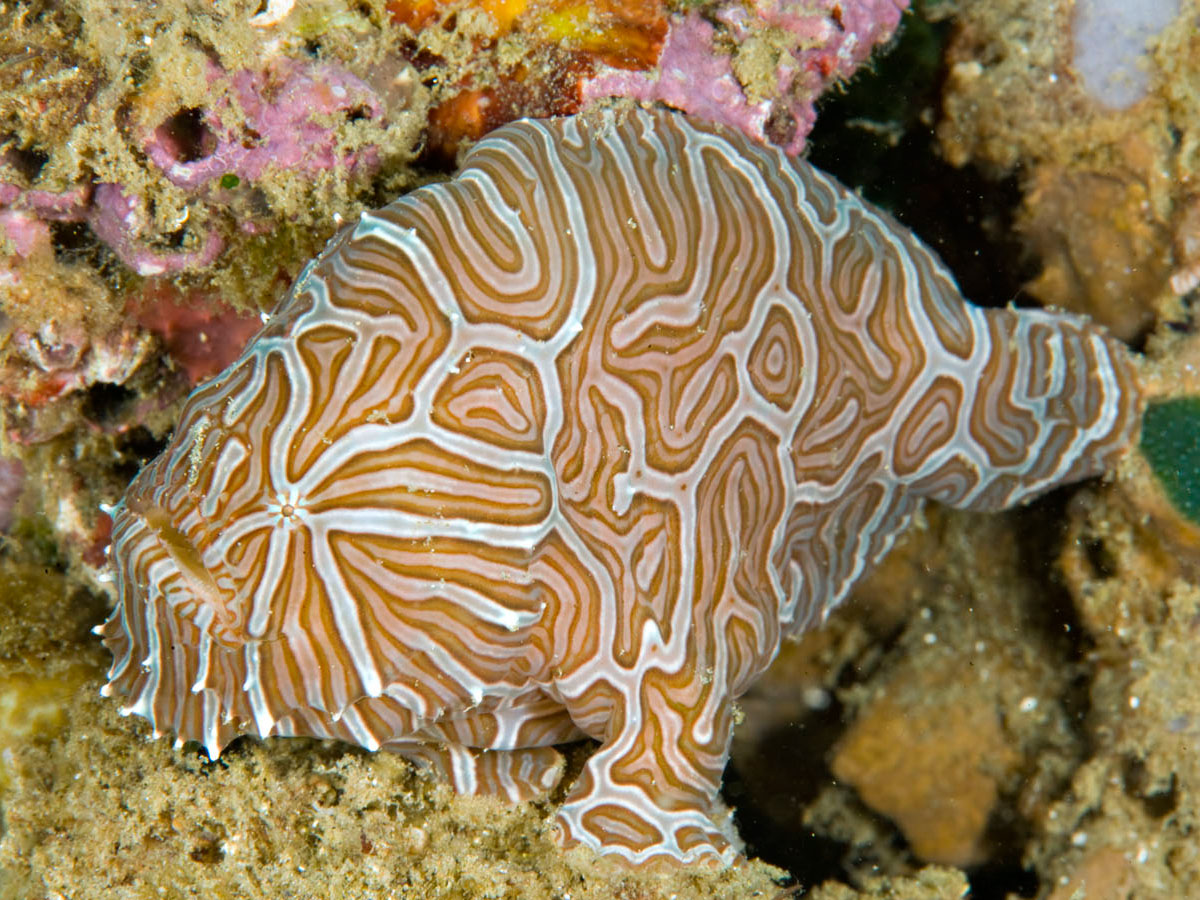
565,447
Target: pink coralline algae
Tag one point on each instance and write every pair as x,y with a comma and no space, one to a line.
283,119
117,218
814,45
47,205
24,218
278,118
24,231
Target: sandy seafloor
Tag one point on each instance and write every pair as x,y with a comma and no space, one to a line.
1008,705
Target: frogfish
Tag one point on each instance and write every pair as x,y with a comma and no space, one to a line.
565,447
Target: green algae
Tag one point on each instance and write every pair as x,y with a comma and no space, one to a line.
1171,444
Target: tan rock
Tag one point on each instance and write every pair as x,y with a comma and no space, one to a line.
934,769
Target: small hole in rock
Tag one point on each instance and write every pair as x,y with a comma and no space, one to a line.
141,67
1102,561
186,136
1163,803
71,240
107,404
137,447
75,243
27,161
209,853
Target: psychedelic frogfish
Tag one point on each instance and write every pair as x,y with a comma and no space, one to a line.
565,447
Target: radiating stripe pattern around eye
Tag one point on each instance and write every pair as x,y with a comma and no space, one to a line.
564,447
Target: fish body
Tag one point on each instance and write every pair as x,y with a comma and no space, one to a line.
565,447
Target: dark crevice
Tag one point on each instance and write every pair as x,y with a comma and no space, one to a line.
877,136
136,446
107,404
28,161
74,243
1136,780
1002,882
793,758
1161,804
187,137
